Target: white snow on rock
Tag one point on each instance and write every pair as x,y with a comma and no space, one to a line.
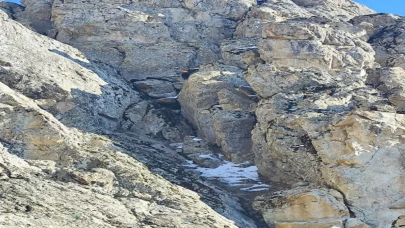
235,175
190,164
256,188
209,156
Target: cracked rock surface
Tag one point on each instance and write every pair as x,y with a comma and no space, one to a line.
97,123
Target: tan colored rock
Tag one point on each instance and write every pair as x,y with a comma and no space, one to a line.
317,224
240,52
360,144
399,222
300,205
400,204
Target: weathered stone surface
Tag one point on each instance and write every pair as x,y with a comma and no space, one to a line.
336,10
207,101
355,223
154,120
391,82
156,88
315,69
152,33
281,10
10,8
240,52
362,143
62,80
233,134
36,15
301,205
324,113
200,152
386,37
400,222
50,94
316,224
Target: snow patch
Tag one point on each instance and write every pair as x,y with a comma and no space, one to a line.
256,188
209,156
232,174
190,164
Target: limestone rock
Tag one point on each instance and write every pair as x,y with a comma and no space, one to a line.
385,35
61,79
200,152
154,120
152,33
301,205
365,151
337,10
293,85
233,134
277,11
210,100
399,222
355,223
50,95
156,88
314,73
389,80
316,224
240,52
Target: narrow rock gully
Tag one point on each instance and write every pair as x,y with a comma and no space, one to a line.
240,181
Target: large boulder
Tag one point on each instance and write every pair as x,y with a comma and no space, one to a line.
303,207
216,102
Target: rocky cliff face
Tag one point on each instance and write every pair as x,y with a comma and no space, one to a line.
309,91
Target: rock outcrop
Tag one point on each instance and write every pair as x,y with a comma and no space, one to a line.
322,93
312,207
55,173
310,91
216,100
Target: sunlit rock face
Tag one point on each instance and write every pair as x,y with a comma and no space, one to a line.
65,160
308,93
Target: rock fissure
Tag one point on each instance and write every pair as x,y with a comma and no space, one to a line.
306,93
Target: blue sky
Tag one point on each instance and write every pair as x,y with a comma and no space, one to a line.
16,1
381,6
385,6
